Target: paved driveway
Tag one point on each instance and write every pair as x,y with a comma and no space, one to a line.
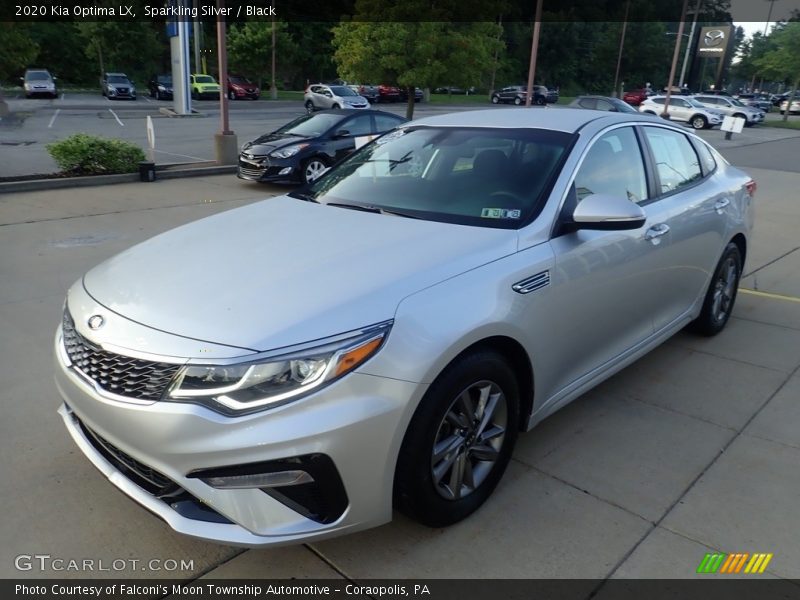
693,449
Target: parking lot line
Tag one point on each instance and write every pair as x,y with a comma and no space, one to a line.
116,117
53,119
770,295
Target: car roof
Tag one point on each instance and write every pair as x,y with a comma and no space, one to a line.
597,96
357,111
563,119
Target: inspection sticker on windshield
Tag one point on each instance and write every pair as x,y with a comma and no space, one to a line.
500,213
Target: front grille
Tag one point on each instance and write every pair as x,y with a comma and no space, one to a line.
121,375
250,172
142,475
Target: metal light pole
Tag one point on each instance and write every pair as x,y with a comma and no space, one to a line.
273,88
225,146
675,54
537,22
689,43
621,44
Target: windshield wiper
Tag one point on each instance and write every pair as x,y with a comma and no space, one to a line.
371,208
302,196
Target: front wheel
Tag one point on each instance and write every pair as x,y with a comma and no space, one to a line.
232,95
721,294
309,106
313,168
459,441
495,100
539,101
699,122
517,101
336,107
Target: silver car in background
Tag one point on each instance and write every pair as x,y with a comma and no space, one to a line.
684,109
378,338
732,108
39,82
320,96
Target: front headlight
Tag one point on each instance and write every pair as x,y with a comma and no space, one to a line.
287,152
248,387
162,88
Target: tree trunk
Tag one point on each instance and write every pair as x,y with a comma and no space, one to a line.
789,102
410,106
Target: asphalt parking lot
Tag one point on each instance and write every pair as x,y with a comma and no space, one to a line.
693,449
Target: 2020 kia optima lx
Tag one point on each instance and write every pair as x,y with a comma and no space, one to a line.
377,338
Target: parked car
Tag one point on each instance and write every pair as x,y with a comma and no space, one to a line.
793,110
320,96
39,82
733,108
761,101
605,103
454,89
203,87
293,369
418,95
303,149
637,96
516,94
776,99
366,90
117,86
684,108
240,88
388,93
160,87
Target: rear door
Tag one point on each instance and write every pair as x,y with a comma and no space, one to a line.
355,126
679,109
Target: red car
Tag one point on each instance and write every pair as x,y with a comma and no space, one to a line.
636,97
241,87
388,93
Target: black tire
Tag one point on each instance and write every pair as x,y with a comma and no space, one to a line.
517,100
698,122
310,166
495,99
540,101
723,287
336,107
416,491
310,107
231,95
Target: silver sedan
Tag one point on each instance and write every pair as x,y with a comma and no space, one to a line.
293,369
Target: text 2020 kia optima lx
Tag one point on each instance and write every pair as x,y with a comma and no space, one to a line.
295,368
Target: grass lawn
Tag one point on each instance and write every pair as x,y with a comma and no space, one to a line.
792,123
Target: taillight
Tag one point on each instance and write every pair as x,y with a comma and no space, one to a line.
750,187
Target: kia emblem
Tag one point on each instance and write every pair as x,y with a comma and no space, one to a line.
95,322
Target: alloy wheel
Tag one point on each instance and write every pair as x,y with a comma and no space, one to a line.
313,169
469,439
725,289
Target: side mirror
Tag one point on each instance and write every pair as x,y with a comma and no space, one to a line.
608,213
342,133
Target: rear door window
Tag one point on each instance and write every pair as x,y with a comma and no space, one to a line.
677,164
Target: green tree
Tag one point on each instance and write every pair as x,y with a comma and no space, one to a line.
110,46
250,50
781,61
415,54
17,49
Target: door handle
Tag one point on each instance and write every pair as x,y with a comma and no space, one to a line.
720,205
655,232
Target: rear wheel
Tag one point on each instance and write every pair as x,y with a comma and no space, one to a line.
517,101
540,101
309,106
459,441
495,100
721,294
699,122
336,107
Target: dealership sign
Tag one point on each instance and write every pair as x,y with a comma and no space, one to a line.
714,41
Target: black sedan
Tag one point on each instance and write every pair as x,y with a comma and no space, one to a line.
303,149
606,103
160,87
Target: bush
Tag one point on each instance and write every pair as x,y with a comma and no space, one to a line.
83,154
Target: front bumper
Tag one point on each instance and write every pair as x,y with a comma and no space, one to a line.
356,413
252,94
274,170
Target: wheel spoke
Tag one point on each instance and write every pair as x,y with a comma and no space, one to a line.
491,433
488,413
457,475
447,445
440,470
715,306
484,452
467,409
483,398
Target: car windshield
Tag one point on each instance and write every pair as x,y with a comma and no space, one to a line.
239,80
483,177
310,125
117,79
623,107
204,79
341,90
37,76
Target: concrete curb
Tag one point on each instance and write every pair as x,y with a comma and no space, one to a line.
162,172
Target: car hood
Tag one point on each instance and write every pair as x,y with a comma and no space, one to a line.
283,271
272,141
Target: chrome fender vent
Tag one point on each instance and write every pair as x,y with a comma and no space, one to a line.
533,283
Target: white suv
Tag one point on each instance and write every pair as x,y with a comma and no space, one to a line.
732,107
320,97
684,108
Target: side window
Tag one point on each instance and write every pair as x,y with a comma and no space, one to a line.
657,100
359,125
604,105
588,102
707,160
676,161
613,166
679,102
385,123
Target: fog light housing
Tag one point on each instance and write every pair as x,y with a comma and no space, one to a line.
259,480
285,171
